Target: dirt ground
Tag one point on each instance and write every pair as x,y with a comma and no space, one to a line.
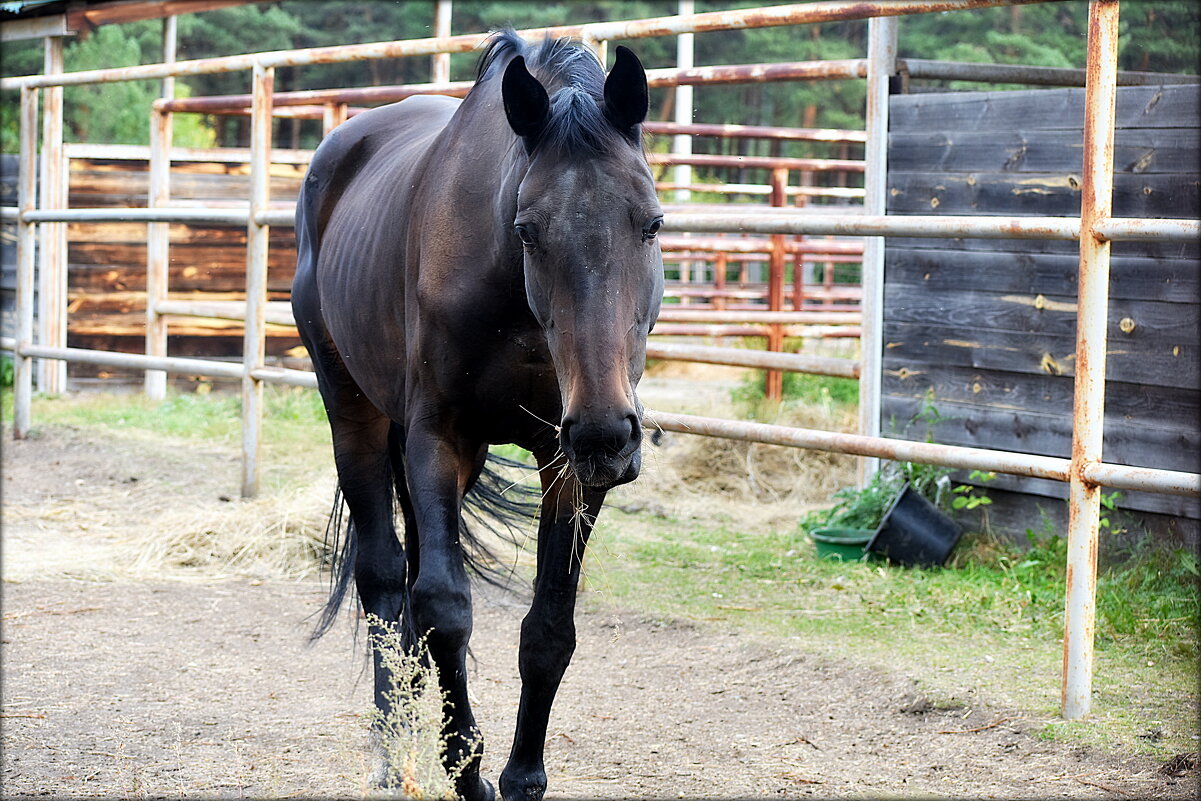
130,682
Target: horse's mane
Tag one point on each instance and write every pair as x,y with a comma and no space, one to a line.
575,81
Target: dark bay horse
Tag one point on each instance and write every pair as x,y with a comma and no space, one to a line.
471,273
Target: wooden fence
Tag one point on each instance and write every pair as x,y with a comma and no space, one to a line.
988,326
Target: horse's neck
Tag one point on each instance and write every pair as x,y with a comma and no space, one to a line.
476,168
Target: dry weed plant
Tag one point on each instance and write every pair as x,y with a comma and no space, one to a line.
411,736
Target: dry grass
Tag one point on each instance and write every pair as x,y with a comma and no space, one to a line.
276,536
761,486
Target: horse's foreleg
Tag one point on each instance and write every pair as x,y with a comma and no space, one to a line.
548,630
438,472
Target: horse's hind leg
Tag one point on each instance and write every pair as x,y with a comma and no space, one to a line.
548,630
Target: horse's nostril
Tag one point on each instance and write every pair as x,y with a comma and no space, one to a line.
635,427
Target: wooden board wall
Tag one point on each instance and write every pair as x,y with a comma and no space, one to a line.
107,262
987,327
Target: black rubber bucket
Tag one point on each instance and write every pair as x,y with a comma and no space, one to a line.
914,533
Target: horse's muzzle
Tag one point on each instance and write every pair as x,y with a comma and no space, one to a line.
604,453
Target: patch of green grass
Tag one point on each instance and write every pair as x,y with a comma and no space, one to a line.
991,620
800,388
296,438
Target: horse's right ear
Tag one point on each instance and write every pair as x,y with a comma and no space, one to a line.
526,103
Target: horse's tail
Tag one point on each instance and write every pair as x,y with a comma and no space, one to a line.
504,506
502,503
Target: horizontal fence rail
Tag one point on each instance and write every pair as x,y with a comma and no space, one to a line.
753,221
775,16
1110,475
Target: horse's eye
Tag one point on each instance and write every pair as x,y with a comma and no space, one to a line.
652,229
525,235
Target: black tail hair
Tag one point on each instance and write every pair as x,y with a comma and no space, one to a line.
505,506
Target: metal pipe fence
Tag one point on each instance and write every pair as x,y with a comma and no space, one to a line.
1085,472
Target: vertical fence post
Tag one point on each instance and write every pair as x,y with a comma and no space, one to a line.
599,47
254,341
881,64
1084,497
440,62
26,239
774,379
52,275
681,144
720,265
158,235
333,115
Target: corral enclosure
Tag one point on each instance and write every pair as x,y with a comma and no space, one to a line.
987,327
1015,388
982,329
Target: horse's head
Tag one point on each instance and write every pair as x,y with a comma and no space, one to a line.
587,219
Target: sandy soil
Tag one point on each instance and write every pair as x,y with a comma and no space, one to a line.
131,683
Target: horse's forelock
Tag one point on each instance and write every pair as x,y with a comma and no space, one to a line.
575,79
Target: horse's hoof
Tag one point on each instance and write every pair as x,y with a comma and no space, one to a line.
482,791
530,787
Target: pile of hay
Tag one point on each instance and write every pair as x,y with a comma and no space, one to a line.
276,536
761,486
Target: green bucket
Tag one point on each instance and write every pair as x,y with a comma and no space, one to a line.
841,544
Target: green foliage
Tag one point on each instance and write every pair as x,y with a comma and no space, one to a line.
966,497
109,113
864,507
858,507
6,371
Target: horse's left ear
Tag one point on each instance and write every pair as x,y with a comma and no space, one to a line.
626,99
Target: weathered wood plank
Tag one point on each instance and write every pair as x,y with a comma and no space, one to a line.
972,310
1136,150
1131,277
129,189
1021,503
1149,249
1042,109
1043,433
1133,404
1045,194
1050,435
910,345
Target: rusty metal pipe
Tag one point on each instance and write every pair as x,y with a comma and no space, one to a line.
878,225
1144,479
669,314
26,244
136,361
741,357
719,74
1125,229
953,456
1088,416
759,162
754,132
232,216
1020,73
